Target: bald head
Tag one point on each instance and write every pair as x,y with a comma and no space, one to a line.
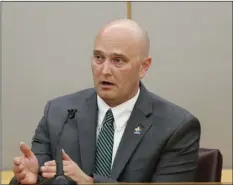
128,29
120,60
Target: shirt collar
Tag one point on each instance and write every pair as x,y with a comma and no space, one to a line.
119,110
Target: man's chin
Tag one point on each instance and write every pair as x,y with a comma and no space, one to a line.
106,95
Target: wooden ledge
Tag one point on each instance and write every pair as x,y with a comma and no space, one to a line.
226,176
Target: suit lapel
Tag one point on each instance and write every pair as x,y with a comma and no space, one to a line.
131,137
86,124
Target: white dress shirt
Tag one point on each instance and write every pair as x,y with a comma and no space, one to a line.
121,114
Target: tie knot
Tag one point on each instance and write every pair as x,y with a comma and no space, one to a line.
109,118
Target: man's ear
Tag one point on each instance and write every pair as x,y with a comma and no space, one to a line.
145,66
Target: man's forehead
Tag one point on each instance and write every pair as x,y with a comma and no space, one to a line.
115,44
120,35
125,33
120,39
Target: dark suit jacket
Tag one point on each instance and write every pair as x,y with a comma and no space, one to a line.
166,150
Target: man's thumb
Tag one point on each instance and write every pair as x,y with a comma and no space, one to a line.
26,150
65,156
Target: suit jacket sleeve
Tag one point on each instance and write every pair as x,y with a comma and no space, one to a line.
178,161
41,141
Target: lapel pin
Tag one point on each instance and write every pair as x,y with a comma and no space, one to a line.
137,130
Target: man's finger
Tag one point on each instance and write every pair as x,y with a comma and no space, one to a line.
25,150
48,169
20,176
53,163
65,163
66,169
16,161
50,163
18,169
65,156
24,181
48,175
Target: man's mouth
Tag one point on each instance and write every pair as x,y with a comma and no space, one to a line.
107,83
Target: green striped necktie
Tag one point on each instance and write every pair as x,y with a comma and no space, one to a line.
104,148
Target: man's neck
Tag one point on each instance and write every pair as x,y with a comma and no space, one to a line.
114,103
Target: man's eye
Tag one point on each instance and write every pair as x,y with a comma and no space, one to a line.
117,60
98,57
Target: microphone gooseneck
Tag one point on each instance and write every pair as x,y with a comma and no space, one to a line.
60,178
70,115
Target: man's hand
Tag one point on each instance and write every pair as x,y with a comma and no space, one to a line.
70,168
25,167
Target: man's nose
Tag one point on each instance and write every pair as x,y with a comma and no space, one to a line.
106,67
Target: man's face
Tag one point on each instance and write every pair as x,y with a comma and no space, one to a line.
116,66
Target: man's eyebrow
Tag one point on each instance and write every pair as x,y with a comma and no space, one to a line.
120,55
97,51
112,54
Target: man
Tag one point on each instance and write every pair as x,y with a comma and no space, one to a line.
121,131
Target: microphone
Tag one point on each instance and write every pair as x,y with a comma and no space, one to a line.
60,178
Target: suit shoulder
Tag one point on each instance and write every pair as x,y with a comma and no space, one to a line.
170,111
72,98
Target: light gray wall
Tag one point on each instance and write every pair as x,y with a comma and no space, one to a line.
192,63
0,88
46,52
